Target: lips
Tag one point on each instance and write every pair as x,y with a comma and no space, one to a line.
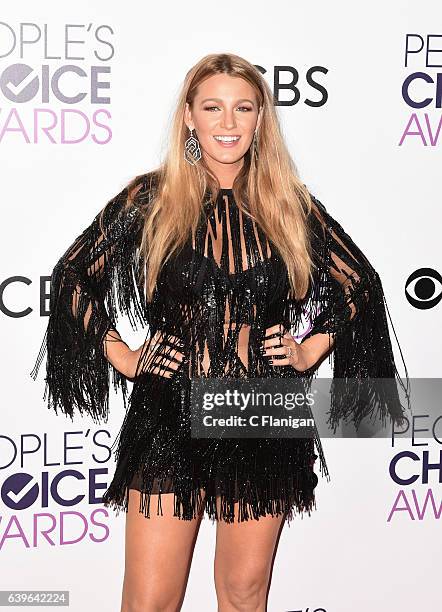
227,136
229,143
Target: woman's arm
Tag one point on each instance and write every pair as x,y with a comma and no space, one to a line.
314,350
348,312
91,281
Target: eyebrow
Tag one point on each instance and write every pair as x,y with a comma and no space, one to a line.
219,100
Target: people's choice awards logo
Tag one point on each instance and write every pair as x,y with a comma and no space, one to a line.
19,491
422,89
55,83
19,83
54,487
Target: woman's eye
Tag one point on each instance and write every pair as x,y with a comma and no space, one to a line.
210,108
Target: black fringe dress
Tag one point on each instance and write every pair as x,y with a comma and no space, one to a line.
218,296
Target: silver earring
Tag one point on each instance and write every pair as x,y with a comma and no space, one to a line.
255,145
192,151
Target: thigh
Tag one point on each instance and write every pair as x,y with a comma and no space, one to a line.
158,553
245,550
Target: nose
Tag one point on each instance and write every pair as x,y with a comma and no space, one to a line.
228,119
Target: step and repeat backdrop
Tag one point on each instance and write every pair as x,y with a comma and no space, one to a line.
86,98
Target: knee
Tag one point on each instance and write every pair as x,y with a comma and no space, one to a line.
243,590
132,605
149,603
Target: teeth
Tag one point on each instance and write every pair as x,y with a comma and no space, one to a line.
226,138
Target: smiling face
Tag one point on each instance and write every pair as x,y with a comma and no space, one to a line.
224,115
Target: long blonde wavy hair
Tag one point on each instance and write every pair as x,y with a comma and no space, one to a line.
267,188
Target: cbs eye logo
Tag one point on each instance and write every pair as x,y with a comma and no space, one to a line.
423,288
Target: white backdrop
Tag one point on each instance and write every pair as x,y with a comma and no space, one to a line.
353,152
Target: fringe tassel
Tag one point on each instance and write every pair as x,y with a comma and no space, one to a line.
347,301
91,282
274,497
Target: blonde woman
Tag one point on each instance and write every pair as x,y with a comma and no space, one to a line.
220,252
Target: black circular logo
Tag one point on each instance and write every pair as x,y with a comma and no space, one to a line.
423,288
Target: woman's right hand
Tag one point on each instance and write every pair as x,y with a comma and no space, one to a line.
156,361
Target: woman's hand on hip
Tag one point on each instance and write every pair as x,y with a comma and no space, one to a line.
286,349
155,356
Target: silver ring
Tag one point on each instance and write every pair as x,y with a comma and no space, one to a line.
289,352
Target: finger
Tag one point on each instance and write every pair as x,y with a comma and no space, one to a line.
279,341
275,341
173,354
280,362
167,363
158,341
279,350
162,372
170,339
293,360
275,329
173,359
285,360
270,343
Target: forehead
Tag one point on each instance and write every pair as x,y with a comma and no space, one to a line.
225,87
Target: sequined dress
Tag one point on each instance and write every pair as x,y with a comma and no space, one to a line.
218,296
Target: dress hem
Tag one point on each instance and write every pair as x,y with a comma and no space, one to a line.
229,503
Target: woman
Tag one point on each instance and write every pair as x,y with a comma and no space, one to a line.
221,252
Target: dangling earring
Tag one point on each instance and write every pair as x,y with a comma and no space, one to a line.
192,151
255,145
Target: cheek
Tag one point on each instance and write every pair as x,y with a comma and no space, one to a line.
207,142
205,125
205,131
248,129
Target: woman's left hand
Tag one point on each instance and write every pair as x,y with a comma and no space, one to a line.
294,354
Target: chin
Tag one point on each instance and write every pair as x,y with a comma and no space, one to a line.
229,157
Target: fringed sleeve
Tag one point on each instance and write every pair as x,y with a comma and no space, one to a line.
93,278
346,301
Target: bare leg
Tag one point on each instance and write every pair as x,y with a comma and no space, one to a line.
158,556
243,562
